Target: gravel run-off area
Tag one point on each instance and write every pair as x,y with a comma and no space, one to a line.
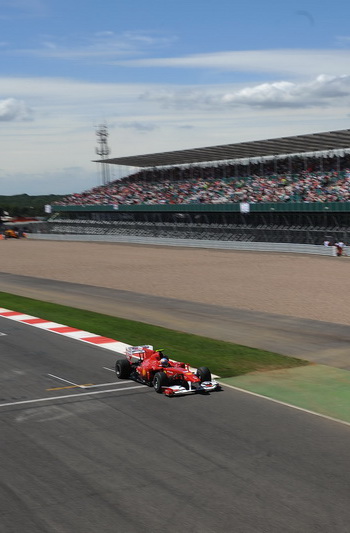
298,285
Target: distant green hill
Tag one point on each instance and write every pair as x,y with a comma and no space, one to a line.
25,205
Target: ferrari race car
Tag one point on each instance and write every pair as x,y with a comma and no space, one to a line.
153,368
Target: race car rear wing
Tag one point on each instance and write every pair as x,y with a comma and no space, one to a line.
138,351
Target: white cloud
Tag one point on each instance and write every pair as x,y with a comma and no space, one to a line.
138,126
54,152
14,110
101,45
185,97
324,90
300,63
61,181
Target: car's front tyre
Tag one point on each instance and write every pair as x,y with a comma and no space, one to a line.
204,373
160,380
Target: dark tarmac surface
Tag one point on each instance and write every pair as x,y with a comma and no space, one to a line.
320,342
121,458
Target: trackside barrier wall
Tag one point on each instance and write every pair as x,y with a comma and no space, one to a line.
303,207
220,245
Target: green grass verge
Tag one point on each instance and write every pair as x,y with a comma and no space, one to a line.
223,358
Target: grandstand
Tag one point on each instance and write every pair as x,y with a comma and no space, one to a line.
290,189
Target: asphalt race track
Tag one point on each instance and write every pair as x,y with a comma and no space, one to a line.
82,453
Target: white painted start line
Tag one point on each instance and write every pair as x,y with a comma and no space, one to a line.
85,387
90,386
79,395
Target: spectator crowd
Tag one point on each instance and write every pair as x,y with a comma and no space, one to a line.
297,179
306,186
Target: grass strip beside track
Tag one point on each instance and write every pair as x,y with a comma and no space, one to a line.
223,358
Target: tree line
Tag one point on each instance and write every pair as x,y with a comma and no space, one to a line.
25,205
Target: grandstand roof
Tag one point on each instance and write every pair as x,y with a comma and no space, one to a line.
315,142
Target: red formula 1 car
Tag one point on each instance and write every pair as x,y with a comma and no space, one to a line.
153,368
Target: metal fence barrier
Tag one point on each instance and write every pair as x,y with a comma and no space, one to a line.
193,243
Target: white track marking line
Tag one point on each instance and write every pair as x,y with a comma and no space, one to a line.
89,386
66,381
79,395
109,369
320,415
106,384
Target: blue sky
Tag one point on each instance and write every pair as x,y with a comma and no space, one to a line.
163,75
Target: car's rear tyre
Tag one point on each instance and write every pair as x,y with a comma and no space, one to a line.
160,380
123,369
204,373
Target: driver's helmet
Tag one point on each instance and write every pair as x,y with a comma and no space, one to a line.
164,361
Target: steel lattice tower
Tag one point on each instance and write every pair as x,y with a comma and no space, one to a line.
103,151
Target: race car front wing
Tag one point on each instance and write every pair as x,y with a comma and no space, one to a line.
205,386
